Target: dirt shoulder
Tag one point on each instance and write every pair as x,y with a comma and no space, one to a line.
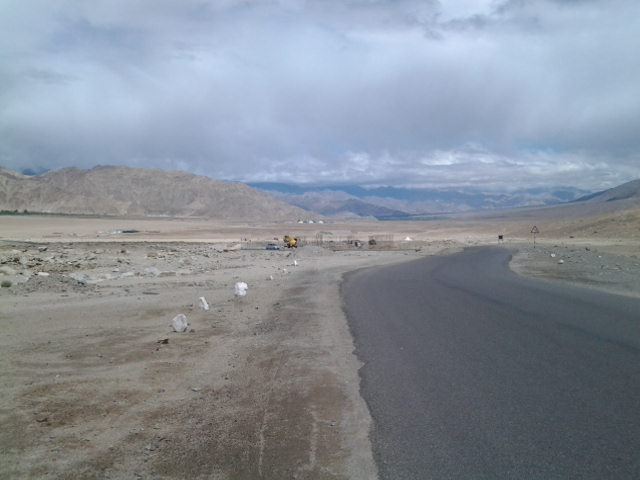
96,385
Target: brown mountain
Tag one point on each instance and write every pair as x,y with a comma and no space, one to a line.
108,190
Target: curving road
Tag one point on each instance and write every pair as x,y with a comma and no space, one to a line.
473,372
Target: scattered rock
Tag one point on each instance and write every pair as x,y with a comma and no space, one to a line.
202,304
5,270
179,323
80,277
152,271
240,289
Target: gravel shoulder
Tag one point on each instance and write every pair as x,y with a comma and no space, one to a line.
613,267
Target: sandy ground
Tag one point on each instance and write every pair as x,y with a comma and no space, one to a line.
95,384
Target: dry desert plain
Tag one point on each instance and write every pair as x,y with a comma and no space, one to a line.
95,384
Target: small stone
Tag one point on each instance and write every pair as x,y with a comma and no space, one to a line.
7,270
179,323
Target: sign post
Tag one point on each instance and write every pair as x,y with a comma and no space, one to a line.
534,232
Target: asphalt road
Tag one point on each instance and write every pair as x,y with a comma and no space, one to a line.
473,372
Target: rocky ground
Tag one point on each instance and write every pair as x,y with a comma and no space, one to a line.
588,264
97,385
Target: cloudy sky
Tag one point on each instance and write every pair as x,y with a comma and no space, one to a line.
496,94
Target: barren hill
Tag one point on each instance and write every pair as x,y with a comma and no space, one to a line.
629,192
109,190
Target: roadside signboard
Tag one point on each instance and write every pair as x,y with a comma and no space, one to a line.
534,232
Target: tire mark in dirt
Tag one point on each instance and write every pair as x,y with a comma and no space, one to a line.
263,423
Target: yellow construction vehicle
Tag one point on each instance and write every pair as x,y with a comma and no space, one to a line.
290,242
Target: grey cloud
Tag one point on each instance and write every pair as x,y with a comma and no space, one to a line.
327,91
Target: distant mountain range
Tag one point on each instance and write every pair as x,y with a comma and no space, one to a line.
107,190
392,202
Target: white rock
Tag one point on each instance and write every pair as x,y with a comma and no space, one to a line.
179,323
5,270
202,304
80,277
241,289
553,255
127,274
560,261
152,271
42,274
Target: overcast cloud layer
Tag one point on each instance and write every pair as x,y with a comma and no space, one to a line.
492,94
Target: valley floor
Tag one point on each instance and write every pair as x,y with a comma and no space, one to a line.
95,384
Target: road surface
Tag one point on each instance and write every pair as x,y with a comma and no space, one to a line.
473,372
